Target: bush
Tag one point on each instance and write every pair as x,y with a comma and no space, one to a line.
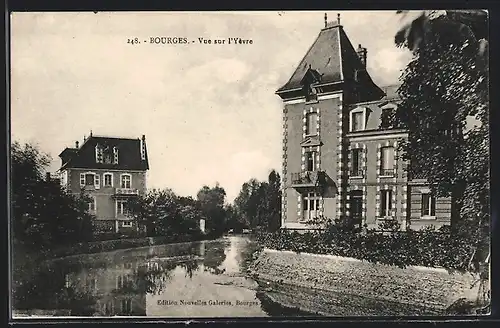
428,247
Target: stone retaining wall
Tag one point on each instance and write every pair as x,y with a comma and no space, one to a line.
355,287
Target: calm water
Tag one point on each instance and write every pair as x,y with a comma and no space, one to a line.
200,279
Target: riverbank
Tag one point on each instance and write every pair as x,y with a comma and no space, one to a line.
24,261
332,285
97,247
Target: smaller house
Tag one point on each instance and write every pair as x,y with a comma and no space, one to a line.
111,170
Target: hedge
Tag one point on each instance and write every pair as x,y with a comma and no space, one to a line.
428,248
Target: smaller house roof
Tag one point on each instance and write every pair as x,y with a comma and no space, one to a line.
129,154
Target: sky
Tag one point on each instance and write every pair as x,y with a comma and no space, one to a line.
209,112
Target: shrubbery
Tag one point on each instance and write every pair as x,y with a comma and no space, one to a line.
428,247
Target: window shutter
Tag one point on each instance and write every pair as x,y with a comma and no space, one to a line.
98,154
115,155
82,179
383,203
97,181
433,205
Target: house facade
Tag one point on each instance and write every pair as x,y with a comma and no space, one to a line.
340,154
110,170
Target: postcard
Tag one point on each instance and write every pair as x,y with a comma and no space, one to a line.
249,164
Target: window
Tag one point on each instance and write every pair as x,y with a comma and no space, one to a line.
126,305
92,204
385,203
357,121
311,93
108,180
126,181
108,158
356,169
115,155
108,307
127,224
428,205
356,205
123,281
64,178
311,161
387,161
310,204
122,208
385,118
89,179
91,283
312,124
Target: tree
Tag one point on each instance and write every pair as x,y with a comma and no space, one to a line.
44,215
163,213
443,87
259,203
473,23
273,196
211,202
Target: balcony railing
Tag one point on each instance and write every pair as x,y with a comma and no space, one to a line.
308,178
387,172
126,191
356,173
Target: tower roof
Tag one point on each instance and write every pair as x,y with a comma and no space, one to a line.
334,58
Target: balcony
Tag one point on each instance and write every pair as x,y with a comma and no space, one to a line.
356,173
126,192
386,172
308,179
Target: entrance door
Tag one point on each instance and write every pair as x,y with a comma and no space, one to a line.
356,205
310,206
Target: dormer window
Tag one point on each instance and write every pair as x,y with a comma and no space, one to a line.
386,116
310,78
311,93
108,155
311,124
357,119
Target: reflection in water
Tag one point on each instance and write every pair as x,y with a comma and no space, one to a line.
144,281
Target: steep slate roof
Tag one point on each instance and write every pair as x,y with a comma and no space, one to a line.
334,57
129,154
323,56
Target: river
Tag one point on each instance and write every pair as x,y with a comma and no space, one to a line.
198,279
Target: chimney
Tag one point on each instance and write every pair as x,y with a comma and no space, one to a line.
47,176
362,54
76,144
143,147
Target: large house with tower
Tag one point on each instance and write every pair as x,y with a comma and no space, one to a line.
340,154
110,170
